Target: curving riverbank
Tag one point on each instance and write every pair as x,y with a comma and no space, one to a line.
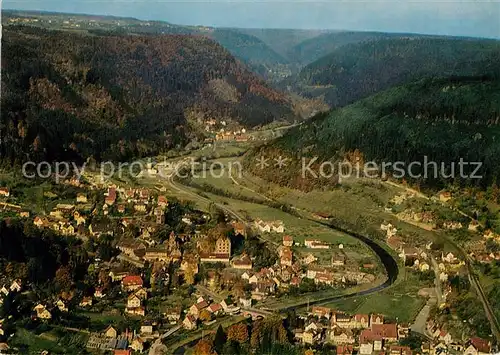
390,265
388,261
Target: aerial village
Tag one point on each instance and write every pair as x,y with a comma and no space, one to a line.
216,268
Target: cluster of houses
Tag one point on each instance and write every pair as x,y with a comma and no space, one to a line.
269,226
144,249
443,342
427,219
417,257
132,284
232,136
423,218
11,207
82,220
447,264
330,276
291,272
363,333
204,311
478,251
109,340
23,20
477,248
224,134
370,334
141,250
308,243
15,286
125,343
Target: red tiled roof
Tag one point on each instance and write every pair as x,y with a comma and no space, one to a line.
215,307
403,350
132,280
244,260
366,336
324,276
379,332
360,317
202,305
321,310
481,345
345,349
239,225
385,330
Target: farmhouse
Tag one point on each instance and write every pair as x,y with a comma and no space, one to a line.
316,244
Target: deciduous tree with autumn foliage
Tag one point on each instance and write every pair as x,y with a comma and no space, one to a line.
238,332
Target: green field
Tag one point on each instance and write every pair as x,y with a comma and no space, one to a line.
297,227
358,202
401,301
57,341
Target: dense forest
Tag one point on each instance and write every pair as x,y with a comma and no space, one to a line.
443,119
36,255
248,48
357,70
261,56
70,96
283,40
312,49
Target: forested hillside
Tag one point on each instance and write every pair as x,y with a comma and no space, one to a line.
312,49
283,40
252,51
443,119
248,48
355,71
69,96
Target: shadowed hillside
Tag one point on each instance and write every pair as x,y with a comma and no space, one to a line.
443,119
355,71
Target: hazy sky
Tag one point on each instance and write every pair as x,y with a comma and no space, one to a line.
470,18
